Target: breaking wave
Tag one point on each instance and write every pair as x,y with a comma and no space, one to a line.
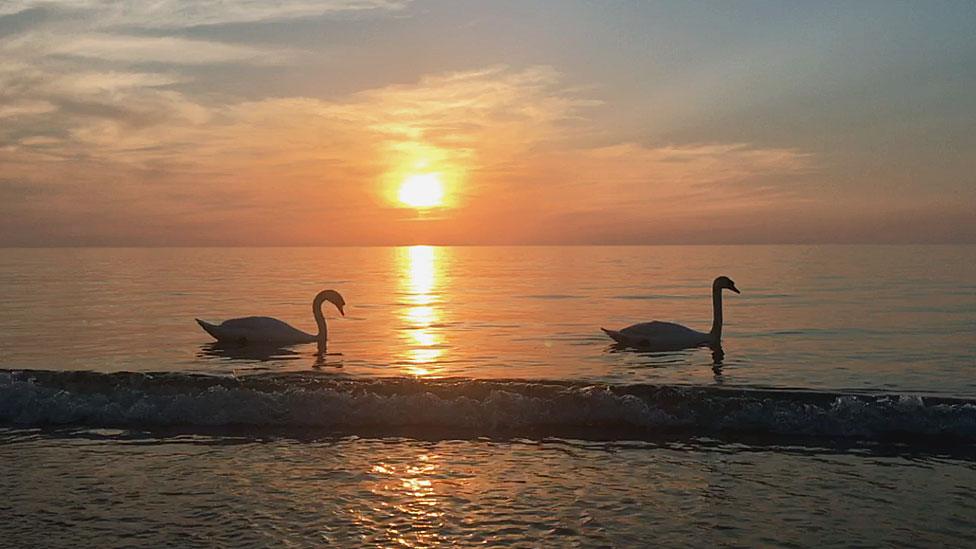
475,407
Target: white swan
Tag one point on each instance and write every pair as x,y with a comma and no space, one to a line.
667,336
263,330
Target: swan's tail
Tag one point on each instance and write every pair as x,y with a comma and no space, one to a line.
613,334
209,328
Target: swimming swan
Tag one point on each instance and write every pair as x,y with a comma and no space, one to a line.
667,336
263,330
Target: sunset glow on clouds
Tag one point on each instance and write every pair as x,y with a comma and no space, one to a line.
216,123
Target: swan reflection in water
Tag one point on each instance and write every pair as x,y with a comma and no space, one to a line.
662,358
659,359
261,353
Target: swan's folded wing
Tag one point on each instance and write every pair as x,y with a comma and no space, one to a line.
656,334
656,329
261,328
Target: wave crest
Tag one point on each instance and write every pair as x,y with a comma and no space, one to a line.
479,408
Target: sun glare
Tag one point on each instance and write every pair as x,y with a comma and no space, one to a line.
422,191
421,314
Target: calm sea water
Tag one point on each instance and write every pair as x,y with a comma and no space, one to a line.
469,397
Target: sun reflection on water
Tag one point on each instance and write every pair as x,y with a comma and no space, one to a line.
419,268
423,315
408,485
421,274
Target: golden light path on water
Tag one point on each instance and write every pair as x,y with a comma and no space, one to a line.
421,314
419,276
412,484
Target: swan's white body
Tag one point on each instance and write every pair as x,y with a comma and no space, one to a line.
263,330
668,336
257,330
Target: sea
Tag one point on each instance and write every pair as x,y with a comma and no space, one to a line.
469,398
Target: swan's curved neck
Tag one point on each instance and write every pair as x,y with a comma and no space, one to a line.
716,332
323,334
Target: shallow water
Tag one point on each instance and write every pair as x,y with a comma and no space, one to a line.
99,488
469,398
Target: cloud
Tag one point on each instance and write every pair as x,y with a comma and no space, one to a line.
135,32
510,141
130,113
112,81
45,100
169,14
53,47
713,170
25,107
165,49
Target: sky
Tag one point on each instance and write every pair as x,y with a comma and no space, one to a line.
297,122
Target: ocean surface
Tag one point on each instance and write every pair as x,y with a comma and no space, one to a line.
468,397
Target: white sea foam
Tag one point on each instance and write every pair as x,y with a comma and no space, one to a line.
36,398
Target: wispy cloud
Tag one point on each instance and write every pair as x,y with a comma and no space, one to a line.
201,117
512,137
100,119
148,32
25,107
165,49
164,14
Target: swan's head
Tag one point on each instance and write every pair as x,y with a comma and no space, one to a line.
332,297
724,283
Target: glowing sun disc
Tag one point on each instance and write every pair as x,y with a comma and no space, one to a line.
422,191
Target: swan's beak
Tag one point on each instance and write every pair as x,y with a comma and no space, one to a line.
734,289
341,312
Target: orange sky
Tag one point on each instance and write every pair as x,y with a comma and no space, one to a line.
156,126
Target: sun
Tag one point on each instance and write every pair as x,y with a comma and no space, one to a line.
422,191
